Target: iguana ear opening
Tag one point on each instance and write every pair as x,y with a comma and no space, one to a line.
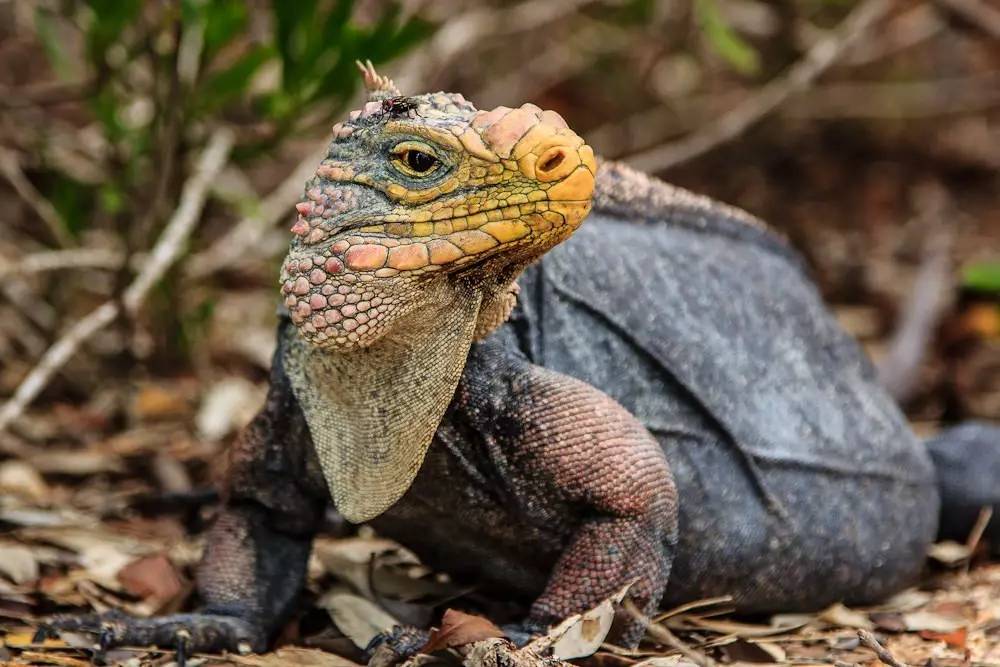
379,86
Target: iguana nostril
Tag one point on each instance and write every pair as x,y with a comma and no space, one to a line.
552,161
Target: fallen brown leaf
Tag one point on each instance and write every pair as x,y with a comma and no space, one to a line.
152,577
457,629
956,639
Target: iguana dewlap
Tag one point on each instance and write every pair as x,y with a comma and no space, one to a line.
668,403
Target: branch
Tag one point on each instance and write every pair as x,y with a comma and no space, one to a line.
797,78
978,13
166,251
882,653
11,169
926,304
59,260
244,237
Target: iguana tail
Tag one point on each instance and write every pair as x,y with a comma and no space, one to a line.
967,460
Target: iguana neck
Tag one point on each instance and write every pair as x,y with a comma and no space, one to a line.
372,412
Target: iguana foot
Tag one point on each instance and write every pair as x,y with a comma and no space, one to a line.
396,646
183,633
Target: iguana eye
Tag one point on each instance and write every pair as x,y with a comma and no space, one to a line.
414,158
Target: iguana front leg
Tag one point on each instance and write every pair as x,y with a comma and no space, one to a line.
591,452
257,549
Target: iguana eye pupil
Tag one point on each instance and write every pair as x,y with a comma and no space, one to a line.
419,161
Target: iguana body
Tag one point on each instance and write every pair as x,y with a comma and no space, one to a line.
668,404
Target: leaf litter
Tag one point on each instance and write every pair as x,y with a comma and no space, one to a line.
89,521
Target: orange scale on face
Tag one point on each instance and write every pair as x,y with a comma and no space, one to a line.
366,257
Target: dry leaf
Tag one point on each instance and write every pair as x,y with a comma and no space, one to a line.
744,651
838,614
458,629
18,563
152,577
582,634
20,479
301,657
76,462
228,406
350,559
741,630
359,619
154,402
949,553
928,620
39,658
956,639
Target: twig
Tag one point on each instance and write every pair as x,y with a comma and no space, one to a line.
798,77
929,298
977,532
978,13
245,235
58,260
663,635
868,641
458,34
11,169
168,247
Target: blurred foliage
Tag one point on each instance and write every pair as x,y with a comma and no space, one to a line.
725,41
982,277
159,73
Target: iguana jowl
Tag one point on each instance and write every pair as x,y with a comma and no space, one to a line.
667,403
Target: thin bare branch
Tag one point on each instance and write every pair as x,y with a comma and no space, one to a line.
928,300
58,260
245,236
10,167
166,251
798,77
978,13
664,636
869,641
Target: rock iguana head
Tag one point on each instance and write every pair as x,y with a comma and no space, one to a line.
418,191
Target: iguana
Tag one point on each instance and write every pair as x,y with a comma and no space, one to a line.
662,399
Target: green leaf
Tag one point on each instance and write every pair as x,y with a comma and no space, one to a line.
724,40
223,87
108,23
982,276
46,30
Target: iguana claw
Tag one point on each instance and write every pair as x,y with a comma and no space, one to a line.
184,633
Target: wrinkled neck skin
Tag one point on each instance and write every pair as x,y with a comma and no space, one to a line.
373,411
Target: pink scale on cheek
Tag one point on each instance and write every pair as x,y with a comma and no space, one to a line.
333,316
336,300
340,246
317,301
301,286
317,276
319,321
333,266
